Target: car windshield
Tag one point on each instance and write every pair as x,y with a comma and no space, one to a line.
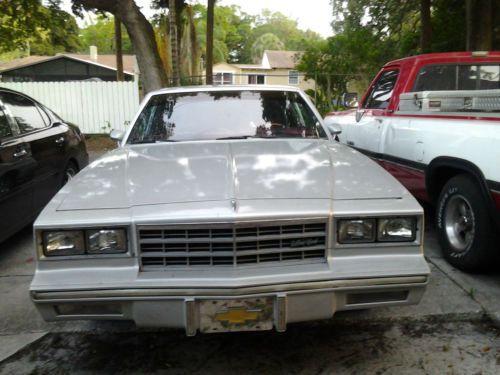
215,115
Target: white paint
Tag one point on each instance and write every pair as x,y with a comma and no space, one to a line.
90,105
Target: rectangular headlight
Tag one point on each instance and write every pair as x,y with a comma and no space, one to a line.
356,230
397,229
106,241
67,242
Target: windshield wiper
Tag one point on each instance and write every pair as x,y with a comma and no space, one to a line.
236,137
149,140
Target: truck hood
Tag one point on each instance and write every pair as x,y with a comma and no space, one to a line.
165,173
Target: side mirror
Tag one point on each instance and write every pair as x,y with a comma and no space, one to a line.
350,100
117,135
334,129
359,114
57,123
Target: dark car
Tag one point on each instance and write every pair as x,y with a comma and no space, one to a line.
39,152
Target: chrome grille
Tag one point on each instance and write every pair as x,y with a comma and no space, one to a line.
231,245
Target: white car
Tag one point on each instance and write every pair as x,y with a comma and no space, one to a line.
228,209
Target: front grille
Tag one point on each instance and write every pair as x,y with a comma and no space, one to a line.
231,244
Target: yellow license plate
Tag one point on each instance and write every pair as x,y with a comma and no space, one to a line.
232,315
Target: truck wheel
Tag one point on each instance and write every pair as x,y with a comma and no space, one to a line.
465,231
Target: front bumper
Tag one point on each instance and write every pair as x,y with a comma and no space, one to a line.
180,308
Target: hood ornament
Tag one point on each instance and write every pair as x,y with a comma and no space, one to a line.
234,205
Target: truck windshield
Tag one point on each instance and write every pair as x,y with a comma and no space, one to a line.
231,114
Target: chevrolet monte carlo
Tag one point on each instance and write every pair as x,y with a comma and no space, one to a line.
228,209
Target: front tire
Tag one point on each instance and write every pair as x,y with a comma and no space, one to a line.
465,230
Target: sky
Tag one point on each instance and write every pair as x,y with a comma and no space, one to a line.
312,14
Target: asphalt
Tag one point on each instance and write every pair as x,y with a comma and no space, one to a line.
451,296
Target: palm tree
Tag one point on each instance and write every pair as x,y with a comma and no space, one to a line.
210,41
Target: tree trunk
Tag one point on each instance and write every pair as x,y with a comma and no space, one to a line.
195,59
119,51
174,44
485,26
141,36
425,26
210,42
469,21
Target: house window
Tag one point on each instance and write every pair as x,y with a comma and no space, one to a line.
256,79
223,79
293,77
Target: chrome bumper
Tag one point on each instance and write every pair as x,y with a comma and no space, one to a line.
180,308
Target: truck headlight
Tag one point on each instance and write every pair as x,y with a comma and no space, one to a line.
106,241
397,229
356,230
67,242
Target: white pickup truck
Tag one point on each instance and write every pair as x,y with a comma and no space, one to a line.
433,121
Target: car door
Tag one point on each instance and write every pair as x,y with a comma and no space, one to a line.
46,141
16,179
372,116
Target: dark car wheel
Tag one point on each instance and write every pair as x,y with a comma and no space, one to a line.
465,231
69,172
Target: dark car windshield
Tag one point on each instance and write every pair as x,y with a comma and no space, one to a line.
213,115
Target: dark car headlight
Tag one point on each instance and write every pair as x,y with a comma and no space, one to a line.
356,230
84,242
401,229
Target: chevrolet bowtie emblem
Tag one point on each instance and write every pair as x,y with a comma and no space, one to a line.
238,315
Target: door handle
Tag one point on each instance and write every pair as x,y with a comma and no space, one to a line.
59,140
20,153
350,143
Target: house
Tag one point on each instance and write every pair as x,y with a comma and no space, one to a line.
67,67
276,68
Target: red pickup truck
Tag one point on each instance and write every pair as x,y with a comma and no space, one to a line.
433,121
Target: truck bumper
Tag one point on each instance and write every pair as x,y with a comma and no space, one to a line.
238,309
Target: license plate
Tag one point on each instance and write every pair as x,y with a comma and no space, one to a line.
232,315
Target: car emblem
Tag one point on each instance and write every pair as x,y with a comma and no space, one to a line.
305,242
234,205
238,315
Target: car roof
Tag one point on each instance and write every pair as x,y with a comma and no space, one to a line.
210,88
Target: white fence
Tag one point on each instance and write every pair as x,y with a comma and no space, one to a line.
96,107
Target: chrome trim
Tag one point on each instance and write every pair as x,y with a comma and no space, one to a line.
161,293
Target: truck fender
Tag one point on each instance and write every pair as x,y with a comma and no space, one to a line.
442,168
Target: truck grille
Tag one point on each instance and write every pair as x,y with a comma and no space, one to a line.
231,245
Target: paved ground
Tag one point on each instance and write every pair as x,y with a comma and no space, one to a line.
452,331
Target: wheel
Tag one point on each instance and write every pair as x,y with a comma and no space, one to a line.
465,230
69,172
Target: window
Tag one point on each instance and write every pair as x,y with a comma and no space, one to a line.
222,114
458,77
256,79
5,130
381,93
293,77
27,114
223,79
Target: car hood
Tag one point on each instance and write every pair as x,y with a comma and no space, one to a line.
165,173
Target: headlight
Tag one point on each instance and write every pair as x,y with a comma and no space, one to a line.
390,229
68,242
82,242
106,241
356,230
401,229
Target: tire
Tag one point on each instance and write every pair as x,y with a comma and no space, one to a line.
69,172
465,229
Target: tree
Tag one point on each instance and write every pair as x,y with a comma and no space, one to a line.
102,35
141,35
119,51
174,42
425,26
268,41
37,29
210,42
